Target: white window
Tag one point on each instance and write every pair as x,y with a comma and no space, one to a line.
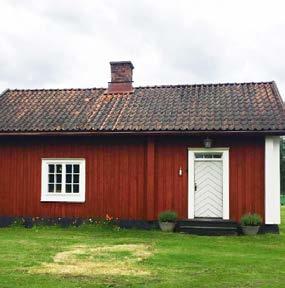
63,180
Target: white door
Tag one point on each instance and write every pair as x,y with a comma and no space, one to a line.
208,195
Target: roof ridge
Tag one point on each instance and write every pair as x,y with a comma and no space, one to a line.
204,84
143,87
57,89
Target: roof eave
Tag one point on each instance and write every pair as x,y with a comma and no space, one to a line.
146,133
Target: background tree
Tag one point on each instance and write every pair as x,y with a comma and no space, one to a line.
282,169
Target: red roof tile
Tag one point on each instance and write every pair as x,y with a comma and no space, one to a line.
211,107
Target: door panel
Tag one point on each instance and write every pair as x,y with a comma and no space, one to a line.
208,199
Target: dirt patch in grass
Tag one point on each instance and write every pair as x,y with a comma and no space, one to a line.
84,260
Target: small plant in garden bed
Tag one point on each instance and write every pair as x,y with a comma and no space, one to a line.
64,222
167,216
167,220
250,223
251,220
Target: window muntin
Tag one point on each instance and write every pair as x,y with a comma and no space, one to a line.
63,180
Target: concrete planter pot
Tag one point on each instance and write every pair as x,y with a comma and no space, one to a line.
167,226
250,230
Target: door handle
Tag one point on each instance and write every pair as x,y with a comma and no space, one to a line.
195,187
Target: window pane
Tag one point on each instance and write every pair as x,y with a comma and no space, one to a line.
58,188
208,156
50,188
199,155
75,188
75,178
68,168
51,178
58,178
58,168
76,168
51,168
217,155
68,178
68,188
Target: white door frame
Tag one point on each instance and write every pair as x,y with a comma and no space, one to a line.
191,179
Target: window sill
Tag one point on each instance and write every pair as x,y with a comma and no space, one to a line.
63,198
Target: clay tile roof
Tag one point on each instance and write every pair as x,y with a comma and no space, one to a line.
210,107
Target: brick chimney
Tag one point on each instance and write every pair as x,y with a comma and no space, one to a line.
121,77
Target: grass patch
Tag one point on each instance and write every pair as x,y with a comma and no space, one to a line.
87,260
90,256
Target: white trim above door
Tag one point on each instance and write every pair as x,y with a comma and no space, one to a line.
208,154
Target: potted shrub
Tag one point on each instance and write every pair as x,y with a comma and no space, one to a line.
167,220
250,223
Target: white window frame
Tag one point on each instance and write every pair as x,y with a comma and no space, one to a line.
191,178
62,197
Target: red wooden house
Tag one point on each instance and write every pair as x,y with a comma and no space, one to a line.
206,151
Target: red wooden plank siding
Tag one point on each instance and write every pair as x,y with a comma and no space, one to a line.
126,177
150,170
171,189
113,172
246,177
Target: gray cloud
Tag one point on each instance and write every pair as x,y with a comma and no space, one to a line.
67,43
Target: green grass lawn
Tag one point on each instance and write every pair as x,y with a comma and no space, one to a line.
92,256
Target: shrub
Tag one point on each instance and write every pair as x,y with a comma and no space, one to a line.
167,216
251,219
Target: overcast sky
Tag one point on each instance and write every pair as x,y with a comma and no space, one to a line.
62,44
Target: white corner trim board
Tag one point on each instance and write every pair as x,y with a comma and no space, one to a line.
225,178
272,180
